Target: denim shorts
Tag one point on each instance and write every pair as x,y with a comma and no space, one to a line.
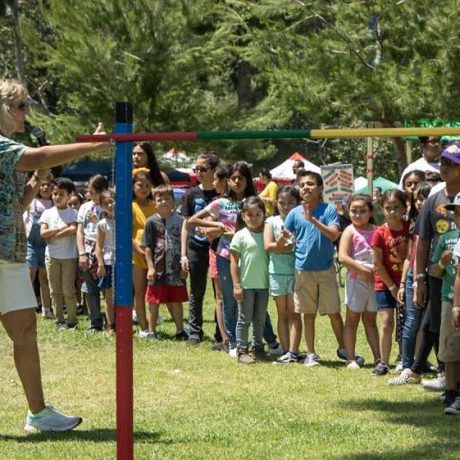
385,299
35,256
281,284
106,281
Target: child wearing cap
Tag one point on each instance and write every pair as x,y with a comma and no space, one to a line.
445,262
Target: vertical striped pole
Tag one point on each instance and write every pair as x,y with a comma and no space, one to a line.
123,283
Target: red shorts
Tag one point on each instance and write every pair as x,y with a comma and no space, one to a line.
213,273
166,294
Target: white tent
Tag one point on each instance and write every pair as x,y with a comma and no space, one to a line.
176,156
283,172
360,182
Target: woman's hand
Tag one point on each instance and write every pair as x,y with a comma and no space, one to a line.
238,293
83,262
101,271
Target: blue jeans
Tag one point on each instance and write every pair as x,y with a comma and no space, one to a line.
253,309
411,324
230,305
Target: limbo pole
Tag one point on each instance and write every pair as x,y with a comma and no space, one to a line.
282,134
123,284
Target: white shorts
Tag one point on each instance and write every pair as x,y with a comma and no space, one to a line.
16,291
359,296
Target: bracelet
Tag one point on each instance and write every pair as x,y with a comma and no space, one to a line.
402,284
419,276
440,265
82,253
237,286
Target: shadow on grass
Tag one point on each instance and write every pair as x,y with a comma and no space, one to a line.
441,431
96,435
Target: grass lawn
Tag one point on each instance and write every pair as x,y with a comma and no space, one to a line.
199,404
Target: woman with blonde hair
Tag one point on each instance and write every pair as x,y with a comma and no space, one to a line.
17,299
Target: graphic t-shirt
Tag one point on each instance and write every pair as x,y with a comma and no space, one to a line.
89,227
448,241
225,211
163,237
361,249
253,262
394,245
194,201
434,220
12,183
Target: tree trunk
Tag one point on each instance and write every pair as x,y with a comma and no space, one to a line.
400,151
20,68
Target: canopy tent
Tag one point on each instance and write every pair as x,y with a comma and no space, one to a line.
381,182
175,156
284,173
359,182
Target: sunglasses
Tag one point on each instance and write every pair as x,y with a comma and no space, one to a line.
23,105
200,169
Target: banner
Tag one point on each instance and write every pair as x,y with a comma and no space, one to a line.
337,182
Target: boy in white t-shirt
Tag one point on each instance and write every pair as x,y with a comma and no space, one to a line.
58,226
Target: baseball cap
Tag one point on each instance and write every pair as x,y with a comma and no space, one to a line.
456,202
452,153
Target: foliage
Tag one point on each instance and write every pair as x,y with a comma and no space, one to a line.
232,64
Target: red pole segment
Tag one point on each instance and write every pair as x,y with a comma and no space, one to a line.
124,372
173,136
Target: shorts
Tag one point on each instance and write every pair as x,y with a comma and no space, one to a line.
449,339
35,257
359,296
385,299
434,296
316,292
163,293
281,284
213,273
106,281
16,291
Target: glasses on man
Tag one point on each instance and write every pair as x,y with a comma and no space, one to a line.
201,169
434,141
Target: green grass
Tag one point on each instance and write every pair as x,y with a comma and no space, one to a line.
199,404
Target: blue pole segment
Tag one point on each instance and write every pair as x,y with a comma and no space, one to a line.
123,218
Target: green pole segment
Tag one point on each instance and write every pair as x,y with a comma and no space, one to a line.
286,134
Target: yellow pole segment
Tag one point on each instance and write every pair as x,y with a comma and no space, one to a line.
381,132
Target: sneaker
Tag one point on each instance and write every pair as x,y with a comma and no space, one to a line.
276,350
80,309
134,317
233,352
93,330
47,313
72,326
454,408
437,384
260,355
181,335
380,369
449,396
311,360
287,358
405,378
61,326
352,365
49,419
429,368
147,335
245,358
193,340
399,366
218,346
342,354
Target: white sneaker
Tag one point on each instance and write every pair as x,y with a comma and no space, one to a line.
399,366
352,365
277,351
405,378
49,419
147,335
311,360
233,353
437,384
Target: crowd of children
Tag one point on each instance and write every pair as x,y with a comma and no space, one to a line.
403,271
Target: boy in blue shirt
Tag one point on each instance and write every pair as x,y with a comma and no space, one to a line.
315,226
